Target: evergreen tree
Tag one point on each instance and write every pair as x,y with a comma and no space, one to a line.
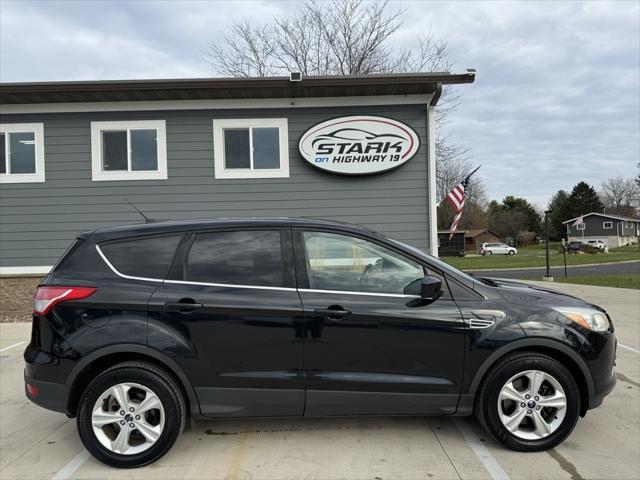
530,215
513,216
559,206
583,200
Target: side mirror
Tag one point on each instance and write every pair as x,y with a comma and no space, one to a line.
431,288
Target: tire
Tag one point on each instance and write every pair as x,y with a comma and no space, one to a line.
163,423
511,252
560,422
490,252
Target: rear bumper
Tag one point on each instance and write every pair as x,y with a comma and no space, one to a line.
52,396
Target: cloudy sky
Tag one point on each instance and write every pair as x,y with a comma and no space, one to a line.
556,99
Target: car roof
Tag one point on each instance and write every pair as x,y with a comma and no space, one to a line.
154,227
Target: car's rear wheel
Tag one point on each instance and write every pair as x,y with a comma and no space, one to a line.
490,252
529,402
131,415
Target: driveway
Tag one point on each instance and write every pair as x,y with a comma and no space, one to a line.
36,443
573,271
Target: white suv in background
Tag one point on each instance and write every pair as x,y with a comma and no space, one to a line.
497,249
600,245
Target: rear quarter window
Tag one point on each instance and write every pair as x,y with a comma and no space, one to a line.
142,257
68,254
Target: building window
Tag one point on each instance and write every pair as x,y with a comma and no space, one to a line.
251,148
581,226
607,225
21,152
129,150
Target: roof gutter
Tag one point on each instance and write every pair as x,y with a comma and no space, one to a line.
229,88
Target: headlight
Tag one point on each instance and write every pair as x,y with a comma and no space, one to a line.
585,317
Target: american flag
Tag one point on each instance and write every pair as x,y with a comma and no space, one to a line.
456,198
579,221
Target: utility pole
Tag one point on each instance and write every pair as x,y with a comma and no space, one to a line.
547,276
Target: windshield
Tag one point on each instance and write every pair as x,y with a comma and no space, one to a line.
436,262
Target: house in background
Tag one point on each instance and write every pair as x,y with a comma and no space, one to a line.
465,241
473,239
613,230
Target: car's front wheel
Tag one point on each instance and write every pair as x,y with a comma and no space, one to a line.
512,252
131,415
529,402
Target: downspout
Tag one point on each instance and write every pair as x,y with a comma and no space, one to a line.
432,200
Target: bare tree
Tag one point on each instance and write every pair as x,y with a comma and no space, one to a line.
452,165
349,37
620,196
342,37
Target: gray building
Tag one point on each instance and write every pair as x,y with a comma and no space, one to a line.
73,153
613,230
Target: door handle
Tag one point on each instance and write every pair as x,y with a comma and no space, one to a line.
185,305
332,313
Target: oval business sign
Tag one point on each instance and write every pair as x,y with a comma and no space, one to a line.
358,145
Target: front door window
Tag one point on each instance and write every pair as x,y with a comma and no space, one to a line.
349,264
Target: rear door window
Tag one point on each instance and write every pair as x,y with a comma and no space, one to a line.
251,258
142,257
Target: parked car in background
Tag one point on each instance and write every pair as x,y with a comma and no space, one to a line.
574,247
596,244
497,249
591,246
140,327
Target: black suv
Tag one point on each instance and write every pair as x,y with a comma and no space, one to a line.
139,328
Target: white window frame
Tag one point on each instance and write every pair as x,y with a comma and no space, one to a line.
99,175
605,227
220,125
38,134
583,225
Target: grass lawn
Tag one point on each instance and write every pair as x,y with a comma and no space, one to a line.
619,280
534,256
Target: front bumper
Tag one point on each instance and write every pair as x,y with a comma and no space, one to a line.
52,396
604,390
603,368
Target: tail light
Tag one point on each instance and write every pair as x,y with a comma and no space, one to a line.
48,297
33,390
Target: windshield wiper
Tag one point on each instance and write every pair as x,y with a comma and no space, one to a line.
486,281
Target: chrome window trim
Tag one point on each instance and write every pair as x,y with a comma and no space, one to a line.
255,287
348,292
230,285
130,277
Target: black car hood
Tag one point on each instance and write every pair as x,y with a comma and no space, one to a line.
524,293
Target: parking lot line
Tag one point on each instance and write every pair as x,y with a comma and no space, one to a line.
490,463
2,350
70,468
631,349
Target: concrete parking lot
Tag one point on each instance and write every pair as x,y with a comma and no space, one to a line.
38,444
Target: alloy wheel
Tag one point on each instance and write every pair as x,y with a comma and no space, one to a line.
532,405
128,418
